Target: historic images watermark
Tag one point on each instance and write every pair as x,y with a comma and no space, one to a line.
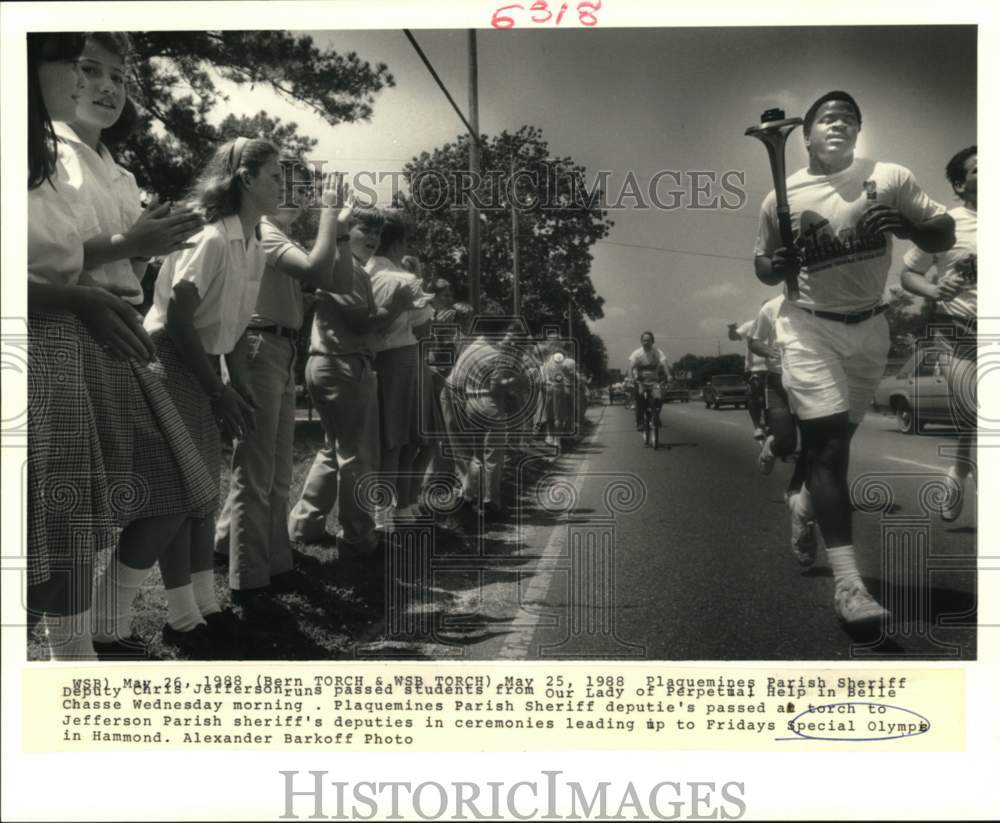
528,189
315,796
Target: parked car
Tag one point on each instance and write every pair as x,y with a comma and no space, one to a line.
726,390
918,393
675,393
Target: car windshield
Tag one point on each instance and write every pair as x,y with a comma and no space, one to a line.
727,380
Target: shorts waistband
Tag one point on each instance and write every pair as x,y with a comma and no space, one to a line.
850,318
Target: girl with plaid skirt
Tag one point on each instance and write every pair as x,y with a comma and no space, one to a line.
154,490
90,400
203,302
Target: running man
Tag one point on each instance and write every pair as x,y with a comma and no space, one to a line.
833,338
756,369
782,432
647,365
954,291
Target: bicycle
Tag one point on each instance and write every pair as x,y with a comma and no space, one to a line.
651,416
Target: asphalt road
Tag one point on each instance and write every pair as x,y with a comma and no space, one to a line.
692,562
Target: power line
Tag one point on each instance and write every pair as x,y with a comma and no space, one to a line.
744,259
440,83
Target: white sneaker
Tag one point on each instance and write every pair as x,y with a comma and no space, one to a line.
765,462
803,532
758,433
855,606
951,508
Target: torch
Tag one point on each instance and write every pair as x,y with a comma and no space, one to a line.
773,132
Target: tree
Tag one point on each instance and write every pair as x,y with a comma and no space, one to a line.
908,317
558,223
703,368
173,137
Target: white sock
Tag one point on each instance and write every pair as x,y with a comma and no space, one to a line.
805,502
113,598
69,636
845,569
182,610
203,584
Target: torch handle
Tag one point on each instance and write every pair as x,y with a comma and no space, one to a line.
788,241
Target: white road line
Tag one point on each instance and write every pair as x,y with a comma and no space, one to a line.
939,467
518,643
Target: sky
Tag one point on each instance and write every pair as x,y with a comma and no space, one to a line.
663,99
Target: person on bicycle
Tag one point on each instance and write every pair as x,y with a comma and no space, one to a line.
647,367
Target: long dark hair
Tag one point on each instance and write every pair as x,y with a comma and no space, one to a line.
217,191
44,48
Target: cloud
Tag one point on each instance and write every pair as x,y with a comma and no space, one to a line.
717,292
781,99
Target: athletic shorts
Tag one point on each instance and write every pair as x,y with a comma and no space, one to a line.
830,367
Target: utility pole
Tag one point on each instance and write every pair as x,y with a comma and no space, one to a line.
474,275
515,237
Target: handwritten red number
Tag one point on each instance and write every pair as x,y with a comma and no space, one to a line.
587,17
503,21
542,6
562,11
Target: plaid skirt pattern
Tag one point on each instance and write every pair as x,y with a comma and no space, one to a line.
153,466
68,507
195,411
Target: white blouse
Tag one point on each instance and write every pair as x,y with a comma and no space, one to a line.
227,270
59,220
115,198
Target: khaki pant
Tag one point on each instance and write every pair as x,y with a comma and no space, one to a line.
345,393
251,526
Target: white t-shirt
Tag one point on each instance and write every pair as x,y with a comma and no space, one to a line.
966,303
752,361
279,301
226,271
115,197
844,269
647,363
764,331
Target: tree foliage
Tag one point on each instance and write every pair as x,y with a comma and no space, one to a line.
703,368
171,82
908,316
556,229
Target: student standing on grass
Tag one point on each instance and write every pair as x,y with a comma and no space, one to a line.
205,297
252,527
398,370
954,289
340,375
104,386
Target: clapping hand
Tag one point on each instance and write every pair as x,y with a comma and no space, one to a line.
161,230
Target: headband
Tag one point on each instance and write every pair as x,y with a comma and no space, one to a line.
236,153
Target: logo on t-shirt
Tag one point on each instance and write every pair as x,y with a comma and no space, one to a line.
822,247
871,189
